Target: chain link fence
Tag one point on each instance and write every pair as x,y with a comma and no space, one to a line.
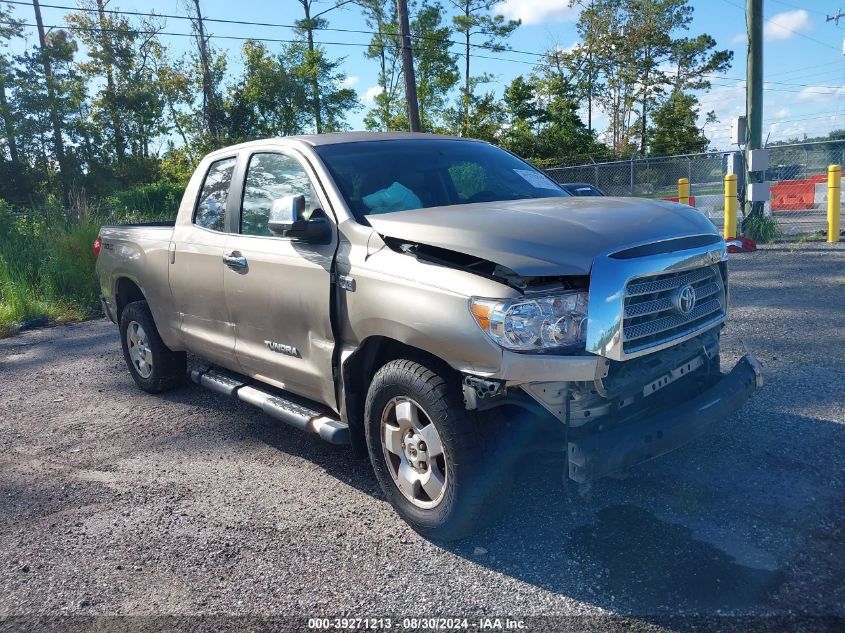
797,173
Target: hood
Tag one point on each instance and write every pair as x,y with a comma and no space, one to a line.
545,236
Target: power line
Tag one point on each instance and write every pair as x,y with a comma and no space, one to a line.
800,69
172,16
795,6
246,39
780,83
833,92
367,45
831,115
786,28
339,30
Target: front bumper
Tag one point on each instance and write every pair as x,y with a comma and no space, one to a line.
597,455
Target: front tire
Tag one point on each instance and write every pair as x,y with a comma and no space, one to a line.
154,367
427,451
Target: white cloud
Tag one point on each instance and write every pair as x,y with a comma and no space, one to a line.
351,81
728,102
782,113
567,49
784,25
820,94
371,93
537,11
739,38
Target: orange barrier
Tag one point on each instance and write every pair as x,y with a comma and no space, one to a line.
793,195
796,195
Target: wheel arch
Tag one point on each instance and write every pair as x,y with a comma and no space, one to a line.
126,291
360,367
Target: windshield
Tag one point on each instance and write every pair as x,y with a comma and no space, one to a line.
385,176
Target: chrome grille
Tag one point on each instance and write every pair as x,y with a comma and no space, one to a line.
651,313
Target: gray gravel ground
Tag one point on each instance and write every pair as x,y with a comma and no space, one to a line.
117,502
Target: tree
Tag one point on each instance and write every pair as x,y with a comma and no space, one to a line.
475,19
543,120
486,118
522,112
384,47
128,107
268,100
675,126
334,99
9,27
639,43
211,69
52,105
435,68
315,68
42,113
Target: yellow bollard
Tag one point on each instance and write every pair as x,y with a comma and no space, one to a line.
683,190
730,206
834,186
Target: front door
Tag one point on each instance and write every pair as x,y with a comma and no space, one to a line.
279,299
196,269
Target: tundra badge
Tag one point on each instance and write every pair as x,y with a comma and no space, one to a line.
282,348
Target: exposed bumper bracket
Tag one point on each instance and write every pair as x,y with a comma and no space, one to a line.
597,455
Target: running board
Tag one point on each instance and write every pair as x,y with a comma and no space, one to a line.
286,410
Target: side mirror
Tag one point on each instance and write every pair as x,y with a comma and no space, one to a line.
285,213
286,221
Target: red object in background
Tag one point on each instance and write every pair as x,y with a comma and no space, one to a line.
741,245
676,199
98,244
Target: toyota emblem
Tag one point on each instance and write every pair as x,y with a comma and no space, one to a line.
685,299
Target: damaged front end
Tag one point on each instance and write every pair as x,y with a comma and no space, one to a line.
639,375
654,321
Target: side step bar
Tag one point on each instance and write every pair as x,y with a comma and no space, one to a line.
289,411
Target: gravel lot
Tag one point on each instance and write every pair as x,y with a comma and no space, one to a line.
117,502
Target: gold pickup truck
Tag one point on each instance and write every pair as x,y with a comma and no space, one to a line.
435,302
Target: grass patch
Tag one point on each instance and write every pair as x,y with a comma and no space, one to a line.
762,229
46,257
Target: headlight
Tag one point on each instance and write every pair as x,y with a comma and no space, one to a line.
545,323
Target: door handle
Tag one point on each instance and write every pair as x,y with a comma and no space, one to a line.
235,260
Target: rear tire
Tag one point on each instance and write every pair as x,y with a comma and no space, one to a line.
427,451
154,367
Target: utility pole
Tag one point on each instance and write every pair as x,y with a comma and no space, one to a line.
58,142
308,24
209,97
754,90
408,66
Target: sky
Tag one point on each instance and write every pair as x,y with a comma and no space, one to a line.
804,66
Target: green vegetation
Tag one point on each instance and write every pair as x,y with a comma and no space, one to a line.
47,260
762,229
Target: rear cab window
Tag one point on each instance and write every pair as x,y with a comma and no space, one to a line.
211,205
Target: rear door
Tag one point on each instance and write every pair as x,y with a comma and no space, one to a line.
196,268
279,301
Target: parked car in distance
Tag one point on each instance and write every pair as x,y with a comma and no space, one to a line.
581,189
438,304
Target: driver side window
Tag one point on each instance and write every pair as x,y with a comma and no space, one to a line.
269,177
